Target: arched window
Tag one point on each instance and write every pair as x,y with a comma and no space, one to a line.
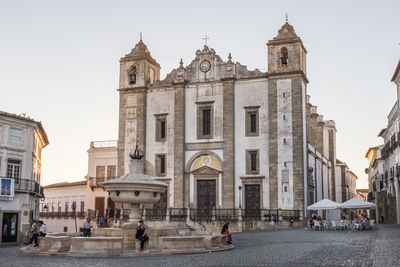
132,75
284,56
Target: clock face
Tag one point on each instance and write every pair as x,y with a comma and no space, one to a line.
205,66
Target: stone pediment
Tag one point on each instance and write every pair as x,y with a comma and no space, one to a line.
206,171
219,69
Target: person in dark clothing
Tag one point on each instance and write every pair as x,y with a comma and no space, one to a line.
141,235
225,231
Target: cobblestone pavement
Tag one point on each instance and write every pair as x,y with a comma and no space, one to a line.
294,247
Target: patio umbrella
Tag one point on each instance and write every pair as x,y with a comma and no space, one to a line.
356,203
325,204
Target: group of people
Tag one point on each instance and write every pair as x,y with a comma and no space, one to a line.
361,223
35,230
41,230
358,223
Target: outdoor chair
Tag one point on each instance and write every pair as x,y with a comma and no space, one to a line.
317,225
341,225
325,225
333,225
372,224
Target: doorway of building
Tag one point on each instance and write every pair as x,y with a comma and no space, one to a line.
99,205
252,200
9,227
206,197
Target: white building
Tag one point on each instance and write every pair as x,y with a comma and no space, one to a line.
89,196
21,142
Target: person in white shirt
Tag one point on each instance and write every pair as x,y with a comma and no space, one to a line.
87,232
42,232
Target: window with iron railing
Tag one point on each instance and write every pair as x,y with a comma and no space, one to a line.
100,173
14,169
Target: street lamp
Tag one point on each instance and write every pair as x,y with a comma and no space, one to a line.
73,206
240,196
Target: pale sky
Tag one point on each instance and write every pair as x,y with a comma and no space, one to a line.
59,62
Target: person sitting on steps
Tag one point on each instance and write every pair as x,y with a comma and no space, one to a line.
225,231
141,235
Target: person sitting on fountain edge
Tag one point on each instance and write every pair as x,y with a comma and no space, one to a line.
225,231
141,235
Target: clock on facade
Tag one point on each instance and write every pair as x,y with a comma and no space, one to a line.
205,66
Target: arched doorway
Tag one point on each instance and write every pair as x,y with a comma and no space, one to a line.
205,183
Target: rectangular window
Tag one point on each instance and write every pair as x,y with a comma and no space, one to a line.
252,121
82,206
59,207
100,173
205,122
160,165
66,206
14,169
252,162
111,172
161,127
16,136
53,207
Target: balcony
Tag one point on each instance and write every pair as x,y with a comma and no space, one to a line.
103,144
66,214
27,186
98,181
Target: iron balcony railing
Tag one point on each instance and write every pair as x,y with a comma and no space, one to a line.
98,181
27,186
67,214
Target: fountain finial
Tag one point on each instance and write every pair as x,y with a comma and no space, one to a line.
137,154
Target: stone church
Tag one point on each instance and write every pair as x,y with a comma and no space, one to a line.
219,134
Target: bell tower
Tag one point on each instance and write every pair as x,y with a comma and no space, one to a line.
286,52
287,90
138,71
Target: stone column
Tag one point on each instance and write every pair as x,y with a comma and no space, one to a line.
228,175
179,145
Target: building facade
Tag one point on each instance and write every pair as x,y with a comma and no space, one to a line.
88,196
384,170
21,142
223,136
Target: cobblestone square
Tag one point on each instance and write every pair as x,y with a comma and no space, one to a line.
292,247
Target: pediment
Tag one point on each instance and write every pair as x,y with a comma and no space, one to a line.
206,171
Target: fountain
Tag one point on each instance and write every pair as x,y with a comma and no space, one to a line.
135,188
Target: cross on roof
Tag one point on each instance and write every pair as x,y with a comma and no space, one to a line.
205,39
140,36
287,17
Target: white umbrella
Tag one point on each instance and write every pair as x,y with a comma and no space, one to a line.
325,204
356,203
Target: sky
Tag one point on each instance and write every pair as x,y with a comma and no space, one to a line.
59,62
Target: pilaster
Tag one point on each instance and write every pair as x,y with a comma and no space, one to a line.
228,176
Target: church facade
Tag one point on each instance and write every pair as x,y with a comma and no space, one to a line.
220,135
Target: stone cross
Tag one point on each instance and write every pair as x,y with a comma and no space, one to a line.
287,17
205,39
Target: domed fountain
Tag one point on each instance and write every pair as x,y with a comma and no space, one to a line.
135,188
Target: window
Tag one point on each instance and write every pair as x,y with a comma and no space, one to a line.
73,206
59,206
252,162
65,229
66,206
53,207
100,173
160,165
16,136
14,169
251,121
161,128
132,75
82,206
205,122
284,56
111,172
